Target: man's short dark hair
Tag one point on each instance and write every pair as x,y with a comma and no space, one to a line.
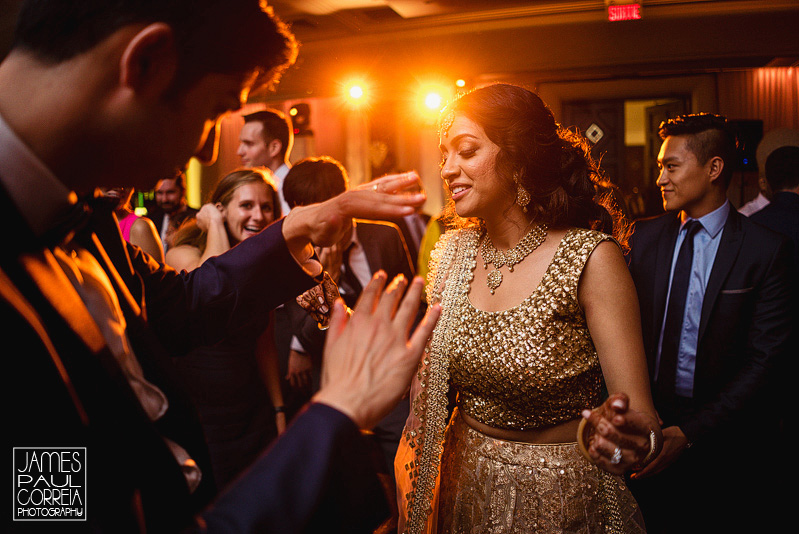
782,168
212,36
709,135
313,180
180,181
276,126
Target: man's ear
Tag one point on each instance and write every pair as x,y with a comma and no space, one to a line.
273,148
149,62
715,166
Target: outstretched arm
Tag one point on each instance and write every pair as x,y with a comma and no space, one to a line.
607,295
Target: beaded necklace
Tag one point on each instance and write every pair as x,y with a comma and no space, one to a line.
531,241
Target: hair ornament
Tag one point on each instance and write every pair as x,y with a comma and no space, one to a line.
446,123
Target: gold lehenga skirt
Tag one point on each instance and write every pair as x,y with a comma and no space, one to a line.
496,486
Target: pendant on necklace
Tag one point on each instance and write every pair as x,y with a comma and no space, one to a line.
493,280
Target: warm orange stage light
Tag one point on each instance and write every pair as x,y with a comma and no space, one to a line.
433,101
356,92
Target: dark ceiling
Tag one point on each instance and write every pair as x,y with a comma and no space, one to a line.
392,41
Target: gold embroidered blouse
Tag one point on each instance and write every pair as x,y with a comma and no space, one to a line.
528,367
533,365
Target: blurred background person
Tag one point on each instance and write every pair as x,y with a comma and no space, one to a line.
171,209
235,384
782,214
136,230
370,246
266,140
772,140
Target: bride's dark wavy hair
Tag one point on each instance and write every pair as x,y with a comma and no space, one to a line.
566,186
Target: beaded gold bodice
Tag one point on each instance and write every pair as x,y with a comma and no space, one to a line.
533,365
528,367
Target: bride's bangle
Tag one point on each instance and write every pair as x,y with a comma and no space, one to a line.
653,447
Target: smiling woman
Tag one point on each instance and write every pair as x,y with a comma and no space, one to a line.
538,314
235,384
243,203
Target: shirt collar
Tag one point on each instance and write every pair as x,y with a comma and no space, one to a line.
714,221
354,241
36,192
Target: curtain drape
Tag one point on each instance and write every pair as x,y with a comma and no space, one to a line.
770,94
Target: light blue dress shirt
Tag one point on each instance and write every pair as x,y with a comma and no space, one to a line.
706,244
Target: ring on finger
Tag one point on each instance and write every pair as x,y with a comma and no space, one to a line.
615,459
375,188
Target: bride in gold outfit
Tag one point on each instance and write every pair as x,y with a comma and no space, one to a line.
539,316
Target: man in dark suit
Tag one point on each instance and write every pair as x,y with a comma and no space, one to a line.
365,249
715,307
84,92
782,213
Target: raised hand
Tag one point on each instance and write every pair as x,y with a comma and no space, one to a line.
370,356
209,215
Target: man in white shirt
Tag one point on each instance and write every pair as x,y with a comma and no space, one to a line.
266,140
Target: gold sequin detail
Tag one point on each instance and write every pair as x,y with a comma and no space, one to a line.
528,354
509,487
525,353
533,365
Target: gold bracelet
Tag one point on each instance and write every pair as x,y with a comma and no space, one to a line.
653,446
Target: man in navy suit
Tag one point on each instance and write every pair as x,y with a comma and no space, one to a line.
95,91
714,294
364,249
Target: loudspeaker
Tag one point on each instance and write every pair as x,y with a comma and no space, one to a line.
749,133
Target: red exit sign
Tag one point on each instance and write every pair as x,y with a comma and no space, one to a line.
624,12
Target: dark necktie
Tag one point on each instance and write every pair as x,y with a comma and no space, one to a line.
672,329
349,286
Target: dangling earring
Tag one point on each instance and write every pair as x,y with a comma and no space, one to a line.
522,196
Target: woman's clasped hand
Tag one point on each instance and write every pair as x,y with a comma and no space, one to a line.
618,439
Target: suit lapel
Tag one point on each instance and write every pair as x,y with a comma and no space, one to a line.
105,243
729,247
47,275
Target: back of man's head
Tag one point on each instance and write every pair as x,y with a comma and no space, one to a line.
782,169
212,36
276,125
313,180
708,136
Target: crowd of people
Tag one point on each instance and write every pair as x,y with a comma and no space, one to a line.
270,362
